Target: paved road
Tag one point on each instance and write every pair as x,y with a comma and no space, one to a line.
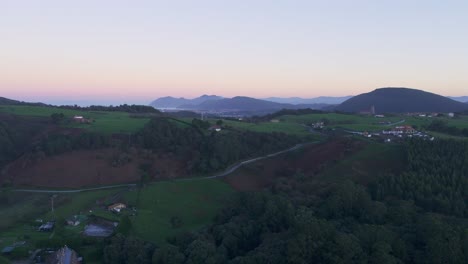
396,123
223,174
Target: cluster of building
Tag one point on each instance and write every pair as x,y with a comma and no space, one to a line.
65,255
400,130
431,114
397,132
318,125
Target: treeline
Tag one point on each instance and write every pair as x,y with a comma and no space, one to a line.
436,179
209,151
58,143
304,111
292,222
7,144
119,108
17,135
443,127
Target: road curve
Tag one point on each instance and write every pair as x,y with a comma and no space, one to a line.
222,174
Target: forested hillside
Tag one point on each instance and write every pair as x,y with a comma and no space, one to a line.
213,151
416,217
192,149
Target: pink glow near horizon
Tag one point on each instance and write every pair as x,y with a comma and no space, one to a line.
118,50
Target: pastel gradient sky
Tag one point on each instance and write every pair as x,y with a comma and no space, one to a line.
134,51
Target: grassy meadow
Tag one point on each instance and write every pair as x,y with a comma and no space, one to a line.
193,202
103,121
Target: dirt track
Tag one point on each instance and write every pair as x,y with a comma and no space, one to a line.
223,174
309,162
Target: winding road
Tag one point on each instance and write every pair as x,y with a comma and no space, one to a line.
222,174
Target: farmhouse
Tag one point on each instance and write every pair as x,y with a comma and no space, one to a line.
7,250
73,222
81,119
47,227
117,207
318,125
65,255
215,128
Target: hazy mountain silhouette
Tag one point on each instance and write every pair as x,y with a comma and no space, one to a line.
172,102
315,100
463,99
243,103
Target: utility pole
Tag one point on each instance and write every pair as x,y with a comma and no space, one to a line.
52,202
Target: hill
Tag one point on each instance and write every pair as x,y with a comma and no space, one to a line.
315,100
401,100
6,101
172,102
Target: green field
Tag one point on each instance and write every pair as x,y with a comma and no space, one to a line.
366,123
296,124
268,127
18,217
105,122
194,202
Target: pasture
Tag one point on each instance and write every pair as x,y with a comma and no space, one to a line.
102,121
167,208
268,127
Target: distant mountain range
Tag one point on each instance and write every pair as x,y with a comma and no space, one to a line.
463,99
243,103
238,104
400,100
315,100
172,102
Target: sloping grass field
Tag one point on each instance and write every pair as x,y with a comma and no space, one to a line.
194,203
103,121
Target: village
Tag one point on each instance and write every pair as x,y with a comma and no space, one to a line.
391,132
97,223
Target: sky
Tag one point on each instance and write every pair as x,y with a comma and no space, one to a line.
135,51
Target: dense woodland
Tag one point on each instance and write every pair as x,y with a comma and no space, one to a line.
416,217
304,111
203,150
118,108
209,151
443,127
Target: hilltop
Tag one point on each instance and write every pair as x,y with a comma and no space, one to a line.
401,100
7,101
